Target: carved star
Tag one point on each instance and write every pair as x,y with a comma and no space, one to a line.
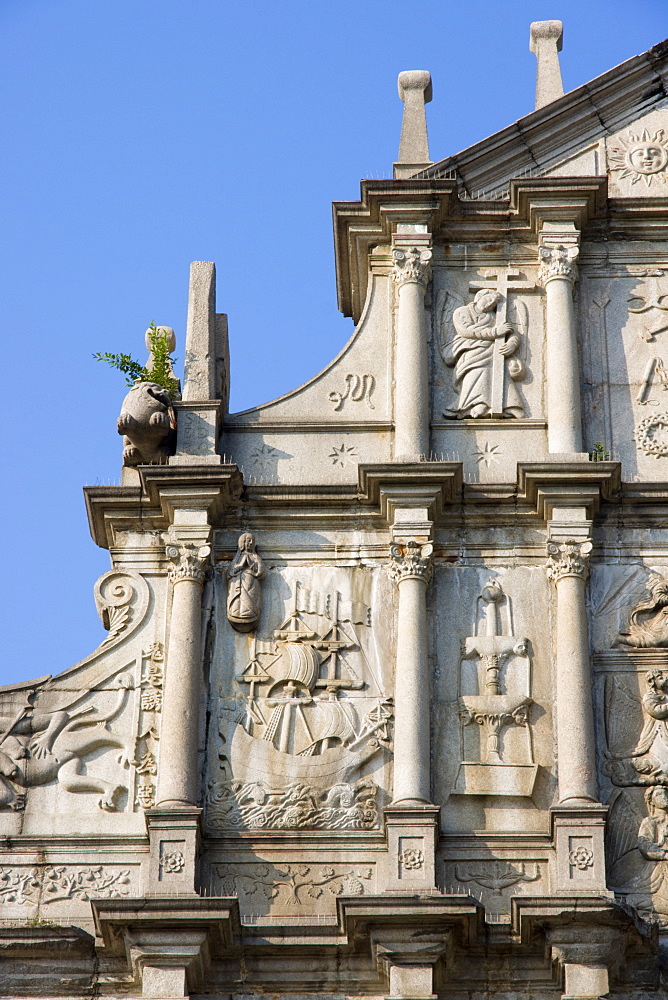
345,455
489,454
262,454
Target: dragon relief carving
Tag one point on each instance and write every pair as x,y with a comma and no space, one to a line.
40,744
293,752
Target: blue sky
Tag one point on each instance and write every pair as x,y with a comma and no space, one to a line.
142,134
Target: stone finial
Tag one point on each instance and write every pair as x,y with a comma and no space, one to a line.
415,91
546,42
166,331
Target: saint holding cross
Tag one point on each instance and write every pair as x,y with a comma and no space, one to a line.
484,352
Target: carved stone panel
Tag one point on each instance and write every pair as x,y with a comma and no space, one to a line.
495,707
303,727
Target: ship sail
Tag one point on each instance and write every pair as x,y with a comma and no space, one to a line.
299,662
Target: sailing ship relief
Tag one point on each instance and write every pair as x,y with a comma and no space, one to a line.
294,751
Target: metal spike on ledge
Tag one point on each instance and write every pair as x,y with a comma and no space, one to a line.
546,39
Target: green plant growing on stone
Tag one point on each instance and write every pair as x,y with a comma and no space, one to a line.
599,453
160,371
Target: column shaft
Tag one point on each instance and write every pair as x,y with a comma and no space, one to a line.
179,772
575,715
411,371
411,685
564,420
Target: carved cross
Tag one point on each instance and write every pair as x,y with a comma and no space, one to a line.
503,281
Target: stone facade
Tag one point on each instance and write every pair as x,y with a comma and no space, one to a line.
382,708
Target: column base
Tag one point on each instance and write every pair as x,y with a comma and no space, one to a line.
578,836
412,835
174,840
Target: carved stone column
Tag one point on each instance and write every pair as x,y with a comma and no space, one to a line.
412,269
558,274
411,568
568,569
179,773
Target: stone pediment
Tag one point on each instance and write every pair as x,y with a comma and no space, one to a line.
571,136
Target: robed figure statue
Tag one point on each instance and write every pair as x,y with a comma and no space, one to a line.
480,353
244,590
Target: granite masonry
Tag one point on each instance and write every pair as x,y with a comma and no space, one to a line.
382,707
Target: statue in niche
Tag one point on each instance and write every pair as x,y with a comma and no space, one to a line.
648,622
484,354
244,590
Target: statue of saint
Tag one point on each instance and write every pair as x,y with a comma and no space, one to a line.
472,354
244,592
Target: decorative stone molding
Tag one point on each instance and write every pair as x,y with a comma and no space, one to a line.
558,262
357,388
189,561
121,599
581,858
411,859
285,882
497,875
411,560
652,435
413,265
20,886
568,558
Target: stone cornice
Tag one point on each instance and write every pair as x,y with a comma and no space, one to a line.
431,484
567,483
359,225
550,135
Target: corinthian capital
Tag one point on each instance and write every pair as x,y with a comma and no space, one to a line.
558,262
568,558
411,560
412,265
189,561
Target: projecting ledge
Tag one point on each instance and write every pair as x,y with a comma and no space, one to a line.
359,916
218,917
567,481
392,484
169,942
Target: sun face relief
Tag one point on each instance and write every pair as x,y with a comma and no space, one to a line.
641,157
648,158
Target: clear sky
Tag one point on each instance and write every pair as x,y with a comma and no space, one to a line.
142,134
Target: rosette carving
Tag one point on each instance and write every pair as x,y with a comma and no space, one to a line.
189,561
412,265
568,558
411,560
558,262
